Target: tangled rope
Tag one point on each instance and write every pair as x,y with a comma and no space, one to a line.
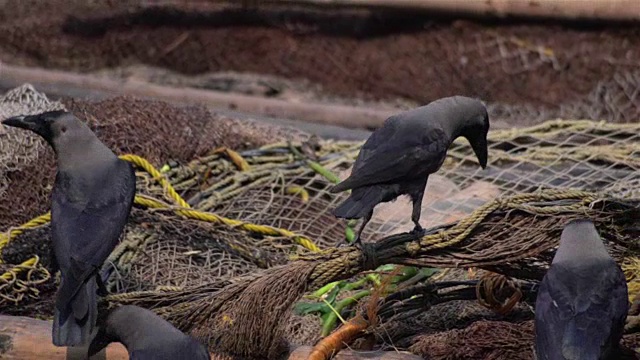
35,275
631,268
518,202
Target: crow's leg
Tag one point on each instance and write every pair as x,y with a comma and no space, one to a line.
417,211
358,241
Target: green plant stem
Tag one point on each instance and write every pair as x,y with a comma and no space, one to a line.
329,319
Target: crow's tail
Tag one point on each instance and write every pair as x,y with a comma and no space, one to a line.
74,322
360,202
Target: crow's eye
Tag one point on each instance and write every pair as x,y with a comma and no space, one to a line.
63,129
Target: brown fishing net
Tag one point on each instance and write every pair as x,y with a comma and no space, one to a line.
152,129
494,340
481,340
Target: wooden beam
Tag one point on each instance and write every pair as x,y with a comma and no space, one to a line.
30,339
323,118
328,114
610,10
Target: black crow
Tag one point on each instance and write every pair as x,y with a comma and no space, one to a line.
398,158
582,302
90,204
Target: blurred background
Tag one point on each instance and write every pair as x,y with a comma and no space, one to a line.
346,63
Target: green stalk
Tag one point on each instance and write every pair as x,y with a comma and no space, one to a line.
325,289
354,285
329,319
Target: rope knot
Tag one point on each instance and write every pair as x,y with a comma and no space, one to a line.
493,292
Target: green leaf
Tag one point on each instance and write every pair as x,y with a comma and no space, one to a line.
428,272
304,308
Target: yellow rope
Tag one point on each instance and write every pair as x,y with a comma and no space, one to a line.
213,218
236,158
183,209
156,175
631,268
10,274
40,220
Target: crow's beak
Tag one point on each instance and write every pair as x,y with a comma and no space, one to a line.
16,121
481,150
24,122
29,122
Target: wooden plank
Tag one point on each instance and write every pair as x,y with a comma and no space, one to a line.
310,115
328,114
30,339
610,10
302,352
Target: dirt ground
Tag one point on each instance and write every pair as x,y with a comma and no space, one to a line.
357,55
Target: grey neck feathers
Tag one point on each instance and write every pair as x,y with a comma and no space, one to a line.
82,155
580,241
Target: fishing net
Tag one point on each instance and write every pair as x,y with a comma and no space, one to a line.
495,340
220,231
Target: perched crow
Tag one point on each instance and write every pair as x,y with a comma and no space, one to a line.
91,201
582,301
146,336
398,158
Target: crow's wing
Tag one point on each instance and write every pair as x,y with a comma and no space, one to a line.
170,349
395,152
580,312
86,227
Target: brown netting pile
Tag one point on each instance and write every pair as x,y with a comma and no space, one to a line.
489,339
229,219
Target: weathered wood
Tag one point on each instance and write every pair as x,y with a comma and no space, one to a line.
322,118
329,114
611,10
302,352
26,338
30,339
